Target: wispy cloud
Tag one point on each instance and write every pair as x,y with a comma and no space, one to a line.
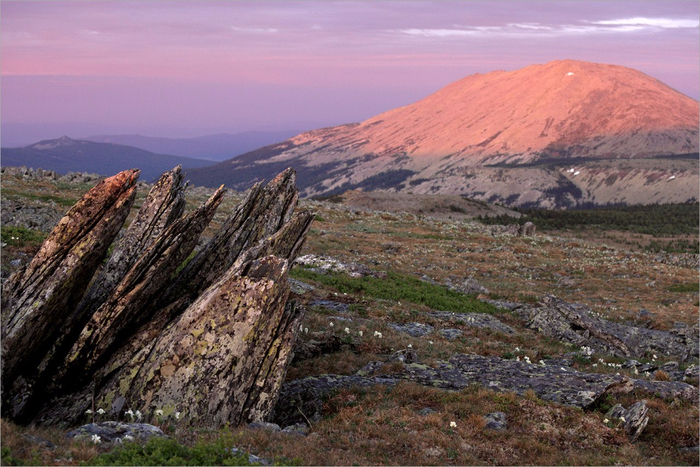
665,23
255,30
624,25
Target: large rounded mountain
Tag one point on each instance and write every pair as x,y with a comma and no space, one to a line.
516,137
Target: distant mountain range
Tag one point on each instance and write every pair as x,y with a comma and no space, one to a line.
69,155
560,134
217,147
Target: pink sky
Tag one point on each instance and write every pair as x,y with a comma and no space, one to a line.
184,69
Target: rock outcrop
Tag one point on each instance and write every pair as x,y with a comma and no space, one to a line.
577,325
210,341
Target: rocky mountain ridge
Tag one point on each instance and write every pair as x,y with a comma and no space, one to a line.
553,135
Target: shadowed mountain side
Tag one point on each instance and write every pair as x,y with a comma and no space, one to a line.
216,147
68,155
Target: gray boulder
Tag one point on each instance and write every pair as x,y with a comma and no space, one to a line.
111,432
496,421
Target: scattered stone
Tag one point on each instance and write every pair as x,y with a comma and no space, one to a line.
496,421
695,448
635,418
30,215
503,304
669,367
426,411
692,373
39,440
403,356
413,329
116,432
477,320
527,230
370,368
326,265
338,307
451,334
252,459
299,429
265,426
300,288
469,286
320,344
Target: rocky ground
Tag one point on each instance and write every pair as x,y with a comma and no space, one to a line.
396,365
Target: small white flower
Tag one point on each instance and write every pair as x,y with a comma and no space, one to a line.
331,324
606,420
138,415
517,358
646,373
88,411
453,424
635,371
177,415
96,439
430,342
100,411
517,349
542,362
130,413
301,327
410,346
622,419
360,333
347,330
306,330
159,412
595,364
378,334
128,438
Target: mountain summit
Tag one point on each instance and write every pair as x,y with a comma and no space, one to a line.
556,113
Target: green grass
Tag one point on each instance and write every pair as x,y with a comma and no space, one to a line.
683,288
19,236
165,451
399,287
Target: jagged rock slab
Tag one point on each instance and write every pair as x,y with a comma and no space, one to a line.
635,418
37,300
225,358
576,324
413,329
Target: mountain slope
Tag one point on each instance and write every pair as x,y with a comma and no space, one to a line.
68,155
529,126
217,147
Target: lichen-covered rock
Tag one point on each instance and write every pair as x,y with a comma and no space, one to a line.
450,333
116,432
38,300
225,358
577,325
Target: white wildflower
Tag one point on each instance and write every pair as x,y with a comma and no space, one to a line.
410,346
517,358
595,364
360,333
430,342
88,411
331,324
653,357
453,424
635,371
177,415
306,330
96,439
542,362
378,334
128,438
646,373
130,413
622,419
159,412
100,411
606,420
301,327
347,330
138,415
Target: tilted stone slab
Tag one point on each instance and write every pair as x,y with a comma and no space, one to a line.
39,300
573,323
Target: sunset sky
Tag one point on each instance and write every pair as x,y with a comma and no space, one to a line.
186,69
